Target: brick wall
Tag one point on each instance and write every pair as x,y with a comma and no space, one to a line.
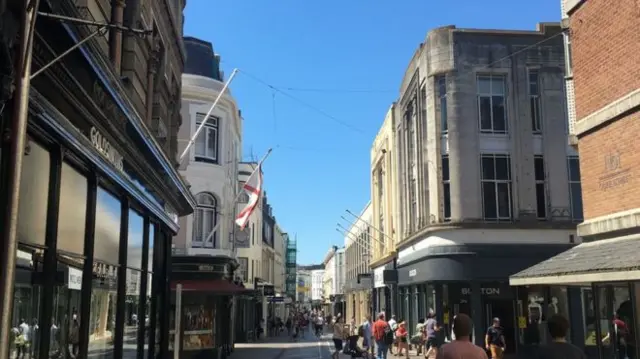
606,52
606,66
610,166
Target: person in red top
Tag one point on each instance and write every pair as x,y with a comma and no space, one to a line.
403,340
380,328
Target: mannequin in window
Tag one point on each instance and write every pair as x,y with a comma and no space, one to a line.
553,306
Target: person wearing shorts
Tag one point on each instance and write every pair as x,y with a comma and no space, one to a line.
431,328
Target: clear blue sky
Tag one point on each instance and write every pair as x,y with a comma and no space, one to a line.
322,166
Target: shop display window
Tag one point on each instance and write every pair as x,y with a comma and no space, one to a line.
34,194
65,327
198,323
133,320
24,336
73,211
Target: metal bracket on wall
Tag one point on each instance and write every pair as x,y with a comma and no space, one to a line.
101,30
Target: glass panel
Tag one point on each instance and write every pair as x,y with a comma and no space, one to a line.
34,193
484,84
25,340
73,210
103,310
622,326
445,168
134,245
576,200
588,316
201,144
539,168
499,114
503,172
147,318
497,85
489,200
574,169
488,168
484,104
541,200
504,200
65,326
132,310
107,237
447,200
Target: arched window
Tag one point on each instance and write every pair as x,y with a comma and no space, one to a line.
204,221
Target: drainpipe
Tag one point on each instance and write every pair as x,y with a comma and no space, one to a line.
154,61
115,35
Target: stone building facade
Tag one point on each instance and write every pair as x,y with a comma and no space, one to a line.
150,67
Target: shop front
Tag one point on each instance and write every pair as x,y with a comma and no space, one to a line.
204,302
358,297
98,205
470,279
602,283
384,292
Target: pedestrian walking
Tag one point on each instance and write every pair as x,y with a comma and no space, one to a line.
559,348
402,336
494,340
461,346
338,337
383,336
367,334
431,328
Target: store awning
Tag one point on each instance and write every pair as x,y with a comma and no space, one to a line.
608,260
217,286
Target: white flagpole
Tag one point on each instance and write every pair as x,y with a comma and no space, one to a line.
206,118
235,201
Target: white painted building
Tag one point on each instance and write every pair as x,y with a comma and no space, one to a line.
303,286
249,242
211,165
279,247
317,277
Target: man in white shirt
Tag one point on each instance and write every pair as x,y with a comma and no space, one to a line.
393,324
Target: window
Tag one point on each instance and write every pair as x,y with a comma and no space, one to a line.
496,187
71,221
411,164
534,100
205,220
102,315
243,196
244,268
575,188
568,52
207,141
541,187
381,207
446,188
492,104
441,82
34,194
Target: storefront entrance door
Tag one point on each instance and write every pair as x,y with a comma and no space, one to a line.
502,309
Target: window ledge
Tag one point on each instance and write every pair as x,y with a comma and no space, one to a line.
206,160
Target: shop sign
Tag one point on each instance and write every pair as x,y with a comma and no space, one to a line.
413,272
614,174
378,277
74,279
484,291
106,149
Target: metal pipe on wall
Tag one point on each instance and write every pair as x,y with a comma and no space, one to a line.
115,35
17,138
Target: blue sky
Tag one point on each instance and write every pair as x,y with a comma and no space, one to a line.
355,53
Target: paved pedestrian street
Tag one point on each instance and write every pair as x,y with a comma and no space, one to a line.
284,347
